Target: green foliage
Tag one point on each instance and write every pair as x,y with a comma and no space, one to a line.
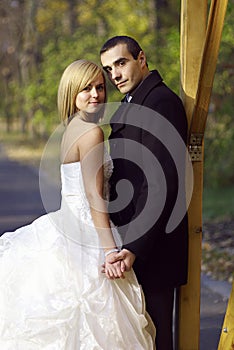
94,23
219,142
168,60
219,136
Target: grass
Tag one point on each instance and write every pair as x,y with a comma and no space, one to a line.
217,247
218,204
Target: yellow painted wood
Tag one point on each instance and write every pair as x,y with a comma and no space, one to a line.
208,65
227,335
192,38
199,50
192,43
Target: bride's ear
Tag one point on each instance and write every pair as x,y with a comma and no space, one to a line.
75,104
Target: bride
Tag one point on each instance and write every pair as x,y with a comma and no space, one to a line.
53,294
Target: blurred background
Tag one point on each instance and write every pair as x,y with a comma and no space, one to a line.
39,38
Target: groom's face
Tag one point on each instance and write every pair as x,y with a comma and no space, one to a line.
125,72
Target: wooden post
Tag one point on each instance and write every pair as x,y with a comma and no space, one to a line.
192,39
192,43
199,51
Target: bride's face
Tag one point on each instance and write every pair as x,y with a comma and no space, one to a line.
91,98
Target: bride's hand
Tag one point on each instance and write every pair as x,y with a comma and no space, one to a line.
126,256
113,269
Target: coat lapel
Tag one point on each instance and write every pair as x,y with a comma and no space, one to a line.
119,118
152,80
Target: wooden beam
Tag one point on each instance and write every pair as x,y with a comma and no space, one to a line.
199,52
192,39
192,43
208,65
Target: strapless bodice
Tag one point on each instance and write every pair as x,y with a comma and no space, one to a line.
72,180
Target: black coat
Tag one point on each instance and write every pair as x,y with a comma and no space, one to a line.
148,150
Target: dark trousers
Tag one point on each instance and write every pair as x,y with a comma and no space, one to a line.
160,307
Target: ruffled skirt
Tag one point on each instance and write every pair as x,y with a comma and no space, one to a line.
53,295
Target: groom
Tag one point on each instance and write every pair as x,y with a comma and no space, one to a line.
159,258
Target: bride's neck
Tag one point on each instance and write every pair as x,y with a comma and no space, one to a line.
86,117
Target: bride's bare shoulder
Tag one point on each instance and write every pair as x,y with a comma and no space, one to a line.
83,128
80,132
78,138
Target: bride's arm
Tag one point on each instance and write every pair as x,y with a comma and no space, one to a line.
91,156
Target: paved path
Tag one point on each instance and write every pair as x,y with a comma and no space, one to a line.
214,298
20,198
20,203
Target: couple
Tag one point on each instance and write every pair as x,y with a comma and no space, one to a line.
55,295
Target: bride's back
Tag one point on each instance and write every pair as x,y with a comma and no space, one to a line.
76,133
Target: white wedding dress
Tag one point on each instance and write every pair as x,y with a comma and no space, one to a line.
53,295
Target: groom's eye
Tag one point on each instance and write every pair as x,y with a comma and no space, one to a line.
122,63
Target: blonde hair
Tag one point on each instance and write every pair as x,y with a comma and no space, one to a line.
77,76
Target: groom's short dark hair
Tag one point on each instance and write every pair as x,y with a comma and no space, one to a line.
132,45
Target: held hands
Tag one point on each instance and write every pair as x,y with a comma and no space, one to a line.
113,268
116,263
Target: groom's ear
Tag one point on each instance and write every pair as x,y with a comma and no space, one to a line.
142,59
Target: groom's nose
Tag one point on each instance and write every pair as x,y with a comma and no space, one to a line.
115,73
